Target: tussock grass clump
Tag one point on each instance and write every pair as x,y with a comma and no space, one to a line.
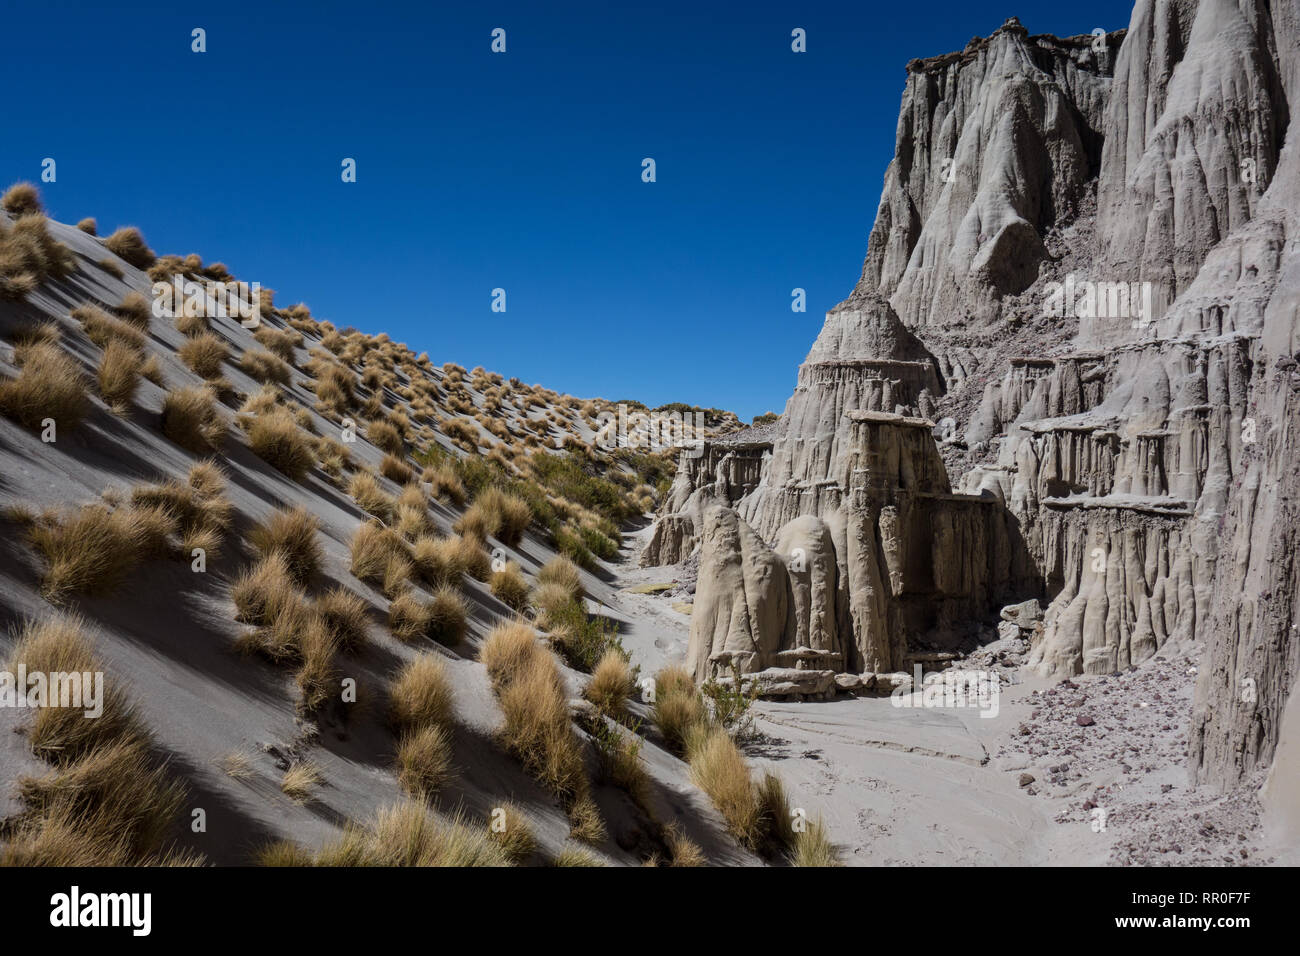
682,851
135,310
385,437
275,437
677,706
50,384
408,617
108,802
119,375
111,267
264,590
612,683
102,328
343,615
22,199
279,341
196,509
127,243
395,469
509,587
447,616
813,847
300,781
370,498
317,650
191,419
718,768
420,695
424,760
89,226
29,255
506,650
445,483
494,512
563,573
508,828
204,353
373,547
573,856
332,456
264,367
537,727
62,735
90,551
293,533
404,835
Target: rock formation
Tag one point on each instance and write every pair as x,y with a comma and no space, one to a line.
1084,265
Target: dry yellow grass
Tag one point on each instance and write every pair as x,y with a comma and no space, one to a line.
127,243
372,548
264,367
812,847
677,706
22,199
89,551
509,830
506,650
420,695
279,341
293,533
386,438
395,469
119,375
563,573
191,419
102,328
344,617
264,590
447,616
203,354
537,729
611,684
370,498
496,513
404,835
135,311
408,616
719,769
275,437
424,760
445,483
50,385
300,781
509,587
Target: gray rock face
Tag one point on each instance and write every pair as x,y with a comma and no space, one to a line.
1086,255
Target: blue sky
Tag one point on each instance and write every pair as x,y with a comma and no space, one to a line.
519,170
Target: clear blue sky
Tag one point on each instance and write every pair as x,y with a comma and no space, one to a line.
522,171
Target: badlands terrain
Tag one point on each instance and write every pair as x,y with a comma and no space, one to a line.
356,607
